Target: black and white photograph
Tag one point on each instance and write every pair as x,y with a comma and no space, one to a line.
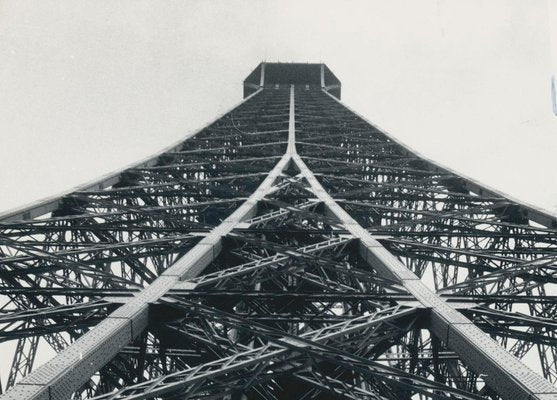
278,200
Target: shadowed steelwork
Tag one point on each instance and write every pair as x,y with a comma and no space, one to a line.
288,250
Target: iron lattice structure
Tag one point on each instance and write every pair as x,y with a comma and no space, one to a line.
288,250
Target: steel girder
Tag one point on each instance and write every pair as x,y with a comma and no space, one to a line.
290,249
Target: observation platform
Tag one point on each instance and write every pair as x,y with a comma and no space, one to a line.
273,74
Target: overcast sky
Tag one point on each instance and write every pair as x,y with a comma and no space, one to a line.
87,87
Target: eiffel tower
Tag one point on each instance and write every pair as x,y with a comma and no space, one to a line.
288,250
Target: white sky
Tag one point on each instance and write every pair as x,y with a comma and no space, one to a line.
87,87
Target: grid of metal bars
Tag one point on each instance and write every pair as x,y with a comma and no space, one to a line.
288,250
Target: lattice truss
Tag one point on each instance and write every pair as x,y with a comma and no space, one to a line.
283,252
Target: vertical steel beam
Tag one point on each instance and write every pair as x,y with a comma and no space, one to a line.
502,371
71,368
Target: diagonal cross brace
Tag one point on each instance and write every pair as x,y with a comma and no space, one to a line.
501,370
71,368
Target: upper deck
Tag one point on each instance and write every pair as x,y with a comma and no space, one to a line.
272,74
